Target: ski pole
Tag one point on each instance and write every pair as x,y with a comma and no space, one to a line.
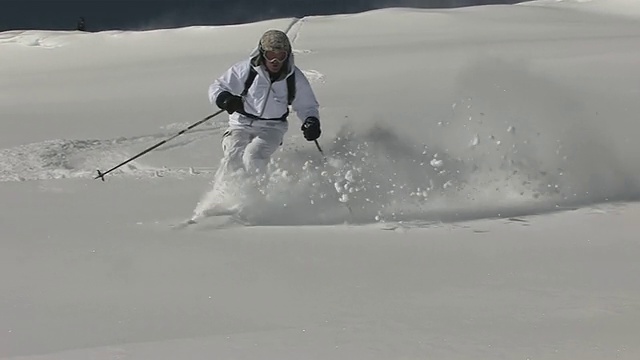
102,174
320,149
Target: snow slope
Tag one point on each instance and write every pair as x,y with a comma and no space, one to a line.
479,198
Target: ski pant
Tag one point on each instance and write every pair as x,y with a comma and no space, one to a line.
250,148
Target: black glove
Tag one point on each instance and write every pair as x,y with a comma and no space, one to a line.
229,102
311,128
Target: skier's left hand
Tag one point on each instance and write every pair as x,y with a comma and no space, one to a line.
311,128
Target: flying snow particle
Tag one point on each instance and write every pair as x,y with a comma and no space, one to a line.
475,141
349,176
337,186
436,163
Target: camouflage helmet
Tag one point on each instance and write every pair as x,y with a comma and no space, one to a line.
275,40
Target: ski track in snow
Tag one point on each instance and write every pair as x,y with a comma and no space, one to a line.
37,39
293,30
62,158
314,76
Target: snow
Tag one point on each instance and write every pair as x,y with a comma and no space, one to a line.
625,8
478,199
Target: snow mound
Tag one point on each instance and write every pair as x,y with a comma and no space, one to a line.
627,8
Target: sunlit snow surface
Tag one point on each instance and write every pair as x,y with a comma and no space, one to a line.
475,198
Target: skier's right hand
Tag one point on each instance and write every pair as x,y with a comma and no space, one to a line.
229,102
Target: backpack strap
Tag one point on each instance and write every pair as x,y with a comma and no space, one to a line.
291,87
249,81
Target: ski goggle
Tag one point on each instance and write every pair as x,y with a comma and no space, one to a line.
275,56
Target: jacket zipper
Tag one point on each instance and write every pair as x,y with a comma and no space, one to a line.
264,106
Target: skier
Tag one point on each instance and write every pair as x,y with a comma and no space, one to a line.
80,26
257,92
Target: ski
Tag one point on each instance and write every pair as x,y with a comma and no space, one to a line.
214,220
184,224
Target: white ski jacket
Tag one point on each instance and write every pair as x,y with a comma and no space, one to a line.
265,99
